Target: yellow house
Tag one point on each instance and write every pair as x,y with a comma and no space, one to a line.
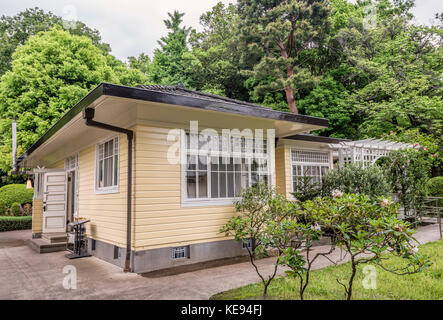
161,204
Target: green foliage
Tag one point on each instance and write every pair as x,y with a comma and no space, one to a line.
15,223
213,62
425,285
142,63
361,225
15,31
408,172
262,219
15,193
307,189
50,73
15,209
435,187
353,178
168,67
281,36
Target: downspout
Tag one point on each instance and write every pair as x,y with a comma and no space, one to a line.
88,115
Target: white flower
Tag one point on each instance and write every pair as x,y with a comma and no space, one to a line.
385,202
316,227
337,194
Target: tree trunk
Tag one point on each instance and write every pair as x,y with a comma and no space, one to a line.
291,101
351,281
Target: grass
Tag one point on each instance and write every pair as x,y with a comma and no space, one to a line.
426,285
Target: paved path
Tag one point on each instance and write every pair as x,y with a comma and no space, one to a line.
25,274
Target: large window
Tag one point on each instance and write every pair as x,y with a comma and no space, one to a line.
218,167
107,166
309,163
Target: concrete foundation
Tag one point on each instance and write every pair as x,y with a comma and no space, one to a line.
158,259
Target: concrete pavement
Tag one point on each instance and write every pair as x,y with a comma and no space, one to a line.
25,274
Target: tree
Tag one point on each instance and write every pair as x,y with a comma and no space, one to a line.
398,67
167,67
50,73
282,35
408,172
262,222
213,63
15,30
142,63
367,229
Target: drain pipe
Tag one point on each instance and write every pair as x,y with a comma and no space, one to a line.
88,115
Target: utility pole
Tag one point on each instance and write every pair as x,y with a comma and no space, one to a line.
14,144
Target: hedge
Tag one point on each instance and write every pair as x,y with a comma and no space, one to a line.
14,193
15,223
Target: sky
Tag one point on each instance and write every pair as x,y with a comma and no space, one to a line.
134,26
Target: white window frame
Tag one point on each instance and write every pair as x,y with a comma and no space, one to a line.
113,188
308,163
209,201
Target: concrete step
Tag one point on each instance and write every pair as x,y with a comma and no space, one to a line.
43,246
55,237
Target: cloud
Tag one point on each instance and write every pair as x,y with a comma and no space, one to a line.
134,26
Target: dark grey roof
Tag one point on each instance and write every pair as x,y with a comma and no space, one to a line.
182,91
314,138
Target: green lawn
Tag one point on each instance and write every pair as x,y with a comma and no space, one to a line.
323,285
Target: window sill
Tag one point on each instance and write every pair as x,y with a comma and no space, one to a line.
208,203
107,190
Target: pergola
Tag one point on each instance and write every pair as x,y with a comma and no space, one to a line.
365,152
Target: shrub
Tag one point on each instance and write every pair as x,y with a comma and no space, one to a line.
16,209
435,188
15,223
408,173
3,208
352,178
366,229
15,193
261,212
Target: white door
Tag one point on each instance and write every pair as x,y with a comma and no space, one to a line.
54,201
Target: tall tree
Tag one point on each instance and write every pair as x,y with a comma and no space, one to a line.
213,62
167,67
50,73
142,63
15,30
282,35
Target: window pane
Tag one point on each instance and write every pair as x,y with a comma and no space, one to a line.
214,184
115,170
254,179
238,183
230,184
202,184
190,184
222,164
230,164
100,174
214,164
202,163
222,185
192,162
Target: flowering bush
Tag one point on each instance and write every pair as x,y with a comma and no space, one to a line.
366,229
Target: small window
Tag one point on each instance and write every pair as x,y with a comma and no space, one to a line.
107,166
117,252
93,244
246,243
180,252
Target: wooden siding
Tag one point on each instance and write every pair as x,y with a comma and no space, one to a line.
161,220
283,170
107,212
37,216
